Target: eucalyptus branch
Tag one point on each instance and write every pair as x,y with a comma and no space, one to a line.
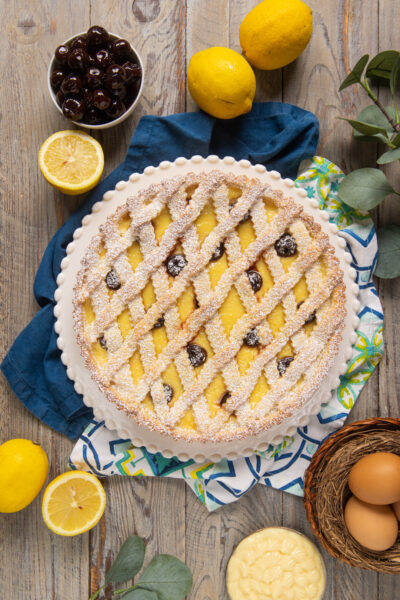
94,596
125,590
366,188
164,572
364,84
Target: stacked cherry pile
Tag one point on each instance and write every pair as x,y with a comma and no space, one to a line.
95,78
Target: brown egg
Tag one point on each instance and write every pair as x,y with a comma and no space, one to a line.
376,478
396,508
374,527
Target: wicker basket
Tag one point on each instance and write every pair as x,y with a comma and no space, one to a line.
326,491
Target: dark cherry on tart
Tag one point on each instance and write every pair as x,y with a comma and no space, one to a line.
95,78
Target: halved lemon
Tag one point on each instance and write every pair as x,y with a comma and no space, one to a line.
73,503
71,161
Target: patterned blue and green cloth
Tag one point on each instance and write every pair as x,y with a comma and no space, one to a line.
102,452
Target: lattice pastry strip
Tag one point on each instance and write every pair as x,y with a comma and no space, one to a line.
109,231
172,322
191,247
113,338
276,269
248,321
214,328
155,259
303,361
147,243
302,237
191,270
247,296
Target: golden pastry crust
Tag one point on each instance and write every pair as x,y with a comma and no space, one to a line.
313,348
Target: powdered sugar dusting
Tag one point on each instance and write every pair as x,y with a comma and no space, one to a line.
314,353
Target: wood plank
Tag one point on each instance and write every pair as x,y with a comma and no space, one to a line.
389,290
312,82
36,563
340,36
389,212
143,506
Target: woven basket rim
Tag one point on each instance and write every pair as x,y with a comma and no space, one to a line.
332,445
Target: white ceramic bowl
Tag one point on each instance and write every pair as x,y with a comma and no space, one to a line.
129,110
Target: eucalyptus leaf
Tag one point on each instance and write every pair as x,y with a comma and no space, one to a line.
140,594
355,75
389,157
382,64
374,116
366,128
388,265
168,577
395,77
396,140
364,189
129,560
370,138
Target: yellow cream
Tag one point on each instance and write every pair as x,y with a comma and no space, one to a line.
275,564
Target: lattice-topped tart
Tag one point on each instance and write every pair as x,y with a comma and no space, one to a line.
209,306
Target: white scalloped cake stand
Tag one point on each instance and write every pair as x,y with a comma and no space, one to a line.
116,419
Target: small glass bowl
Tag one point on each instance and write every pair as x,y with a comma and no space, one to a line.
116,121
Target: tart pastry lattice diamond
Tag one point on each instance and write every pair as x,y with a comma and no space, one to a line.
209,307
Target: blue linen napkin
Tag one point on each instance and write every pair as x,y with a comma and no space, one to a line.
274,134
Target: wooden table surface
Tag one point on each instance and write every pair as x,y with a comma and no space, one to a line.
36,564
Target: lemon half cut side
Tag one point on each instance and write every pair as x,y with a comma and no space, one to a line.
71,161
73,503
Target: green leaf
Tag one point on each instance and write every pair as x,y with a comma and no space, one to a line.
129,560
374,116
388,265
355,75
389,157
140,594
396,140
364,189
365,128
168,577
395,77
382,64
370,138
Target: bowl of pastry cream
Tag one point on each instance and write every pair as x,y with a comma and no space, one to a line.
276,563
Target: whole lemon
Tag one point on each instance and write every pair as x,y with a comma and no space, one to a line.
275,33
221,82
23,471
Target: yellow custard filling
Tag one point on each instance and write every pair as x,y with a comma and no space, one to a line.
229,312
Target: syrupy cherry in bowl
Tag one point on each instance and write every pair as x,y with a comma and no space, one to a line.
95,78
